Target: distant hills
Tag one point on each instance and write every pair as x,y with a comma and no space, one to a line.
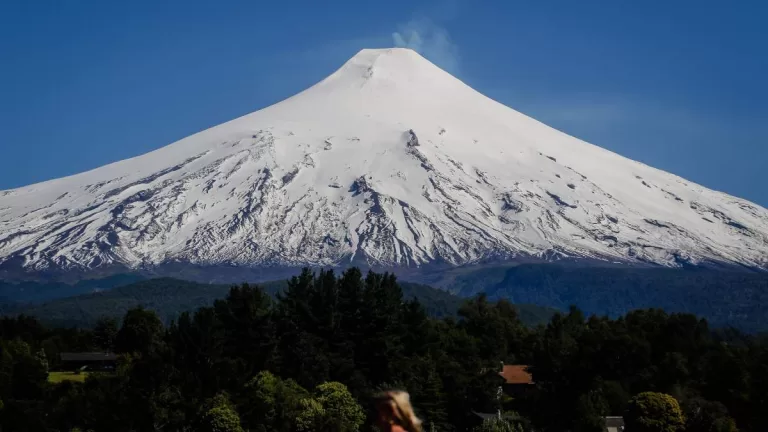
169,297
37,292
725,298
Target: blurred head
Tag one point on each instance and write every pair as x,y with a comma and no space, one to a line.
394,408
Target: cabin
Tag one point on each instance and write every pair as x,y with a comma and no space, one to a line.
517,380
614,424
91,361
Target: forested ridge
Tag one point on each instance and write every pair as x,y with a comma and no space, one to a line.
725,297
170,297
311,358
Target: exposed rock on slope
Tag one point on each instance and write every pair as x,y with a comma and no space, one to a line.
389,160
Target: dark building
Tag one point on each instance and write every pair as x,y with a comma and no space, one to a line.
614,424
91,361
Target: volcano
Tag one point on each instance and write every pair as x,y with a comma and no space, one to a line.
389,162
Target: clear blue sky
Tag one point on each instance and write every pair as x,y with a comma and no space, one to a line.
681,85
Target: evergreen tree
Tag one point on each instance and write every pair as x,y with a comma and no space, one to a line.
105,333
249,335
380,319
141,332
302,354
591,410
426,389
348,346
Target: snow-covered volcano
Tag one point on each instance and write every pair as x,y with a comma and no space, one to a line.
391,161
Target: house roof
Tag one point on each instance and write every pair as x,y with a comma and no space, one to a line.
516,374
616,422
88,356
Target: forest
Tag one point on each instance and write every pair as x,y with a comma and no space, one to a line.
312,356
169,297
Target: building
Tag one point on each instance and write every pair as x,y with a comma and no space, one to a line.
614,424
92,361
517,379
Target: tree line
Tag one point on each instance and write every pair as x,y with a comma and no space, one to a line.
312,358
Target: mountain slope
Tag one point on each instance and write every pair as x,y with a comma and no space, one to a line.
389,162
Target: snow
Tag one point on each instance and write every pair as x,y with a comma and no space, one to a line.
328,175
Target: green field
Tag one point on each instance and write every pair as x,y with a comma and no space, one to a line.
57,377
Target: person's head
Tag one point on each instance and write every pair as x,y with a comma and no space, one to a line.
394,407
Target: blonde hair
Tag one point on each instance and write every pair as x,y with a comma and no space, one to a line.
399,410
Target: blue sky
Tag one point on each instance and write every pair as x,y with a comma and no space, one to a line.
678,85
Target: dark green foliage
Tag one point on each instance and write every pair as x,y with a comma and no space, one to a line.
220,416
167,297
707,416
311,356
497,425
270,403
23,377
724,298
105,333
578,361
170,297
653,412
13,294
615,395
591,409
248,331
23,373
141,332
332,409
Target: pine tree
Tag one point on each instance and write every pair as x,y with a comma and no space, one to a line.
105,333
249,334
141,332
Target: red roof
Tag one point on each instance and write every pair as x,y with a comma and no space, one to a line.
516,374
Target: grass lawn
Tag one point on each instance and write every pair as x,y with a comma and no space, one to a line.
57,377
